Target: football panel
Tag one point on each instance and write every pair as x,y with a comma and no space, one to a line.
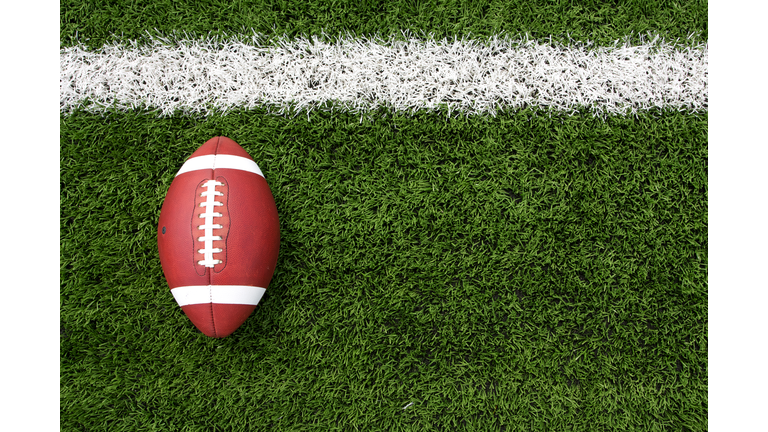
201,315
229,317
175,241
253,241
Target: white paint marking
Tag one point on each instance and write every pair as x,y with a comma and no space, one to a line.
210,76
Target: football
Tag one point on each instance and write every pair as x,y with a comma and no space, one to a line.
218,236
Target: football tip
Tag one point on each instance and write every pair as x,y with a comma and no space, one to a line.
221,145
218,320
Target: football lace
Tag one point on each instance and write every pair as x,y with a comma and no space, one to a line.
208,226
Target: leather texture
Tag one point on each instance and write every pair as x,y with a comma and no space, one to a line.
250,237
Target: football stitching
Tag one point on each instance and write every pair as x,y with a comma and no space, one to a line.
210,303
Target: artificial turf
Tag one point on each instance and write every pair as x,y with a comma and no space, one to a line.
96,22
529,271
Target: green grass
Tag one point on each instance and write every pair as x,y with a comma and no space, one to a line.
98,22
522,272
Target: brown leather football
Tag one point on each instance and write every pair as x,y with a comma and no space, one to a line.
218,236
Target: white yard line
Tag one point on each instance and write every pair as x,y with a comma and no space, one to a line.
474,77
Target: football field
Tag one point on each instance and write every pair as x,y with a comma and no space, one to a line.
494,215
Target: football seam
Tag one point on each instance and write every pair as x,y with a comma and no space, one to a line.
210,304
210,273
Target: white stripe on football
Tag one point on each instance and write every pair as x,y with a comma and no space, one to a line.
222,294
220,161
